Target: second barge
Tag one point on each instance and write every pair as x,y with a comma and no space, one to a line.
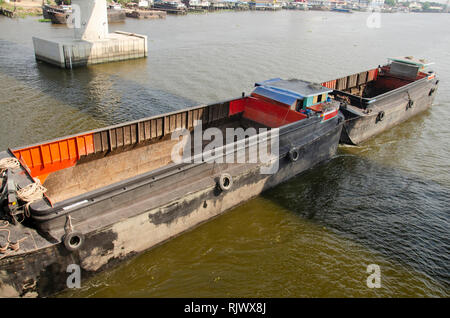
378,99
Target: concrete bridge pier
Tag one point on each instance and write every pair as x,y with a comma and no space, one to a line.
91,42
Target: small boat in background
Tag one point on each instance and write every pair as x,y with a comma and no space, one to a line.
302,6
170,6
343,10
60,14
376,100
115,13
318,7
57,14
45,9
146,14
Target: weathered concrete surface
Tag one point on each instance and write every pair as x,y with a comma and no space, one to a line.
91,19
69,53
91,44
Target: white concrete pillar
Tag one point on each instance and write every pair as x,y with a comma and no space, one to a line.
90,19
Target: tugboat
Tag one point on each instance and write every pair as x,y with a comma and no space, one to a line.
378,99
96,198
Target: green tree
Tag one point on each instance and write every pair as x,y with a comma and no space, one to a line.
426,6
390,3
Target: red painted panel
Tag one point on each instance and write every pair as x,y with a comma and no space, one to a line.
389,83
330,115
269,114
237,106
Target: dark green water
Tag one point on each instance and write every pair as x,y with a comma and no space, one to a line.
386,202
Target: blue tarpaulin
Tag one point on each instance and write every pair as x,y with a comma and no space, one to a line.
288,91
275,94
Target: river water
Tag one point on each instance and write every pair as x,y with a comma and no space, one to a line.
386,202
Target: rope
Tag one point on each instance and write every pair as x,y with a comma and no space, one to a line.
9,163
31,192
14,246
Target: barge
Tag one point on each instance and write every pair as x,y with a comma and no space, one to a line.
57,14
96,198
62,14
340,9
378,99
171,7
146,14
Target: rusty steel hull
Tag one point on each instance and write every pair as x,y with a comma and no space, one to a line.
137,214
387,110
58,16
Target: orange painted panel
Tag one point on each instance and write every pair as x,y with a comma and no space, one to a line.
72,149
330,84
35,156
81,146
372,75
46,158
54,150
64,150
25,156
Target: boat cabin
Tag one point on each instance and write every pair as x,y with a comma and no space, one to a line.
301,97
297,94
407,67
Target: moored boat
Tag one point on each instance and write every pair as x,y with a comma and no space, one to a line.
115,14
343,10
114,192
57,14
170,6
62,13
317,7
303,6
378,99
45,9
146,14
